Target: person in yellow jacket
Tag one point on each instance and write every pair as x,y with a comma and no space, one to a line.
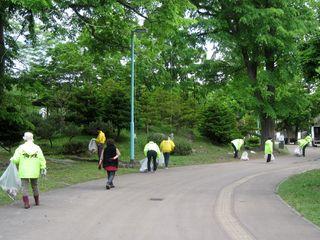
268,149
31,163
303,143
166,147
100,140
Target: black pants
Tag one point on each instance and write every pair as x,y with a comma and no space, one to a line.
166,158
269,158
152,154
304,150
235,150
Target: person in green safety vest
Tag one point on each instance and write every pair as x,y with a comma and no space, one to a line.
31,164
303,143
268,148
236,145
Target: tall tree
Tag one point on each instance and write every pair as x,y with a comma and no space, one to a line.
264,34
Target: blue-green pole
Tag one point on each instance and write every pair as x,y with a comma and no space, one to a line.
132,100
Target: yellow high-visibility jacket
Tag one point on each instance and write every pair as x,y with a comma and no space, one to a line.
268,147
29,159
167,146
101,138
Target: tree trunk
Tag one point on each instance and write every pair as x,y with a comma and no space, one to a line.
267,122
267,128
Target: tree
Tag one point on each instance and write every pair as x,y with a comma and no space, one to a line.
13,119
84,105
12,126
262,36
116,105
218,121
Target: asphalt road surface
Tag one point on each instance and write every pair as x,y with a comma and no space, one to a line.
228,201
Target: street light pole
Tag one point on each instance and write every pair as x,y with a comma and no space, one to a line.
132,100
132,135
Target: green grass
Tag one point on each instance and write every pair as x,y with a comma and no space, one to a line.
303,193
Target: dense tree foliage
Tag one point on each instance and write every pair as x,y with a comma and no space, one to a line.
260,36
73,59
218,121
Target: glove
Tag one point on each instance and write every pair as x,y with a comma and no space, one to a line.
43,172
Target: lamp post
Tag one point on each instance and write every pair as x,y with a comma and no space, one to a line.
132,94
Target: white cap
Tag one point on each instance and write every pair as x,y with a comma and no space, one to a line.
28,136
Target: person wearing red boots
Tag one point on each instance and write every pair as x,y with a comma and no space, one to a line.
31,163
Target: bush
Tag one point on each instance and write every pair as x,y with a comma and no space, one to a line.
182,148
48,150
106,127
12,126
218,122
74,148
71,130
252,143
156,137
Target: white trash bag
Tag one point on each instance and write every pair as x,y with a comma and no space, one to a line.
161,160
297,151
10,181
144,163
272,157
245,156
92,147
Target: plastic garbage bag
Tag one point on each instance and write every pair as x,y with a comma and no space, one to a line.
244,156
297,151
92,147
161,160
10,181
272,157
144,165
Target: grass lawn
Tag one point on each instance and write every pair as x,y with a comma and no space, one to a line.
63,172
303,193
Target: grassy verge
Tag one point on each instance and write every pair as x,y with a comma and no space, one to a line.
303,193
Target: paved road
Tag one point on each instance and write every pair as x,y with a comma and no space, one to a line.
226,201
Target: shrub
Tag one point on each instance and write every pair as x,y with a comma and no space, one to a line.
48,150
218,122
71,130
12,126
156,137
74,148
182,148
106,127
252,143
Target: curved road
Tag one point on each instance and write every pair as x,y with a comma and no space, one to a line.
228,201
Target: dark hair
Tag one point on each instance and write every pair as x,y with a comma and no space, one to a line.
110,141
